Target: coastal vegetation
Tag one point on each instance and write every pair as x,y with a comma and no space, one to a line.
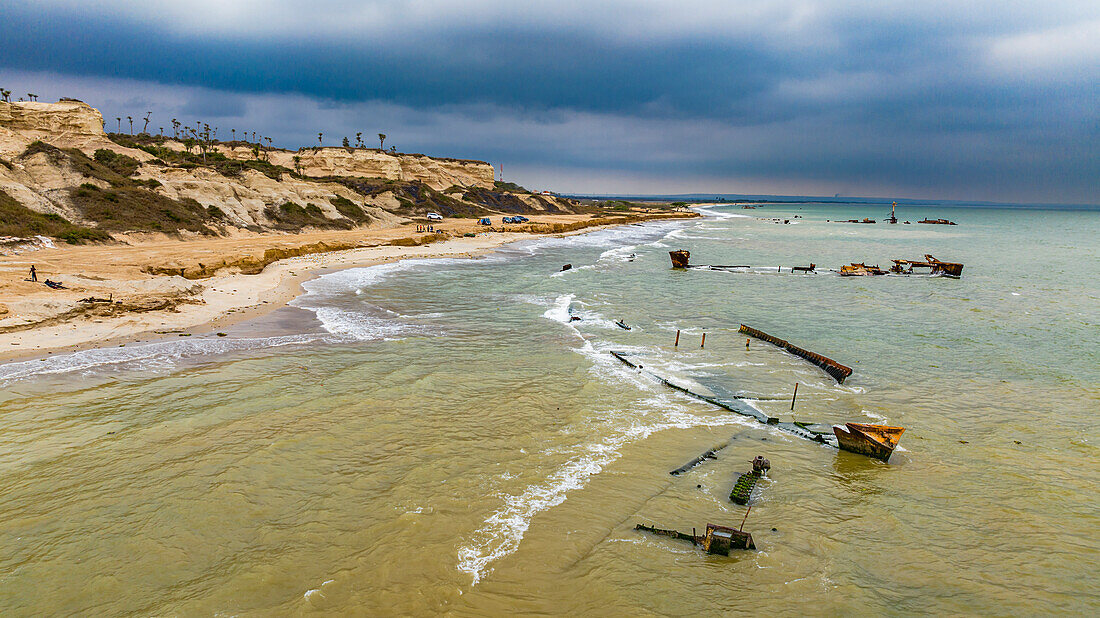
127,204
216,161
18,220
291,216
105,186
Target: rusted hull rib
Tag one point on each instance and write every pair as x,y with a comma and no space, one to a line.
878,441
836,370
742,489
711,454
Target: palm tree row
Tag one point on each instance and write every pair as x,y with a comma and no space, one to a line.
5,95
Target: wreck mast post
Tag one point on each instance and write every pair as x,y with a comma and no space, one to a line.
794,395
677,344
704,341
742,528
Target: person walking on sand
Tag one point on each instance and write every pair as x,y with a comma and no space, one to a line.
34,274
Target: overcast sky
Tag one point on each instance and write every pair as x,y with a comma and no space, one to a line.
954,100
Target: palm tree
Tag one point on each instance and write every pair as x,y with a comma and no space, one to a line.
319,142
381,141
175,128
6,95
234,132
359,139
146,128
131,119
161,132
33,97
119,119
298,164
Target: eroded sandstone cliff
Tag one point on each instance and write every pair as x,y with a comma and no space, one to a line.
57,161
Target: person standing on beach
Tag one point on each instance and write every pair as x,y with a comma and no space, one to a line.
34,274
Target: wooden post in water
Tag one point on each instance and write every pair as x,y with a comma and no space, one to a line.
743,520
794,395
677,344
704,342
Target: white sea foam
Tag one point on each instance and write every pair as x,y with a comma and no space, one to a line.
156,356
626,234
327,297
876,417
503,530
719,214
559,311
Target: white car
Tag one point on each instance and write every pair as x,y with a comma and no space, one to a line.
435,216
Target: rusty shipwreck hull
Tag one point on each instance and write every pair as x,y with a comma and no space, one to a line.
836,370
680,258
878,441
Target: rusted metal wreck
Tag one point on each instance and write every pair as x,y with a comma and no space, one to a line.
715,540
860,269
947,269
877,441
805,430
679,258
836,370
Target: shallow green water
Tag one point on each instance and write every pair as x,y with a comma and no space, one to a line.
438,436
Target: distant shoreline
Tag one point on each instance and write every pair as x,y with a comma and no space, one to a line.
171,305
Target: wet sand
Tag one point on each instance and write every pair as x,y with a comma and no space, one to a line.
43,321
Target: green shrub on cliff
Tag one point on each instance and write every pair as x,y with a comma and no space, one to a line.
18,220
292,216
118,163
348,208
133,208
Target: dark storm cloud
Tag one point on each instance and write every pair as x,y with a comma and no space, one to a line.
944,100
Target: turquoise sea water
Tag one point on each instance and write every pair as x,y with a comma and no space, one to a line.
439,436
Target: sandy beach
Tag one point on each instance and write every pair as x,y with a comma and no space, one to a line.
40,320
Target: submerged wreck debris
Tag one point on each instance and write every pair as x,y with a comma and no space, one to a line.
566,267
860,269
733,404
876,441
805,269
742,489
836,370
801,429
680,258
621,324
938,222
717,539
711,454
947,269
893,218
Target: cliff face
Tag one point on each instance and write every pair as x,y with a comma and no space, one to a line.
55,159
439,174
65,124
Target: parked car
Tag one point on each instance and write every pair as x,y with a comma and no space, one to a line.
506,220
520,219
435,216
484,221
